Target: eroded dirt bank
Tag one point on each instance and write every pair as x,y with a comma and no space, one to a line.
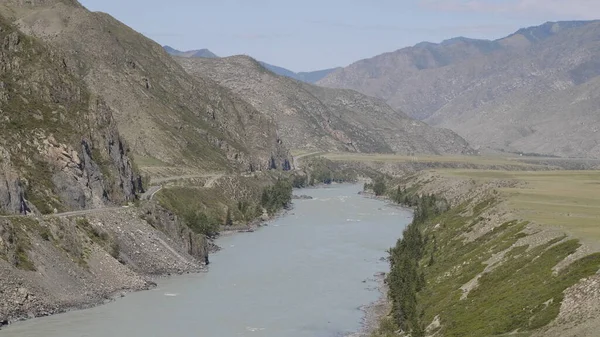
53,264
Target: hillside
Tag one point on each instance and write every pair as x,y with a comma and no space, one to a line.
316,118
164,114
533,91
85,102
60,145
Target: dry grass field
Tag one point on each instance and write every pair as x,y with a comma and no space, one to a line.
394,158
567,199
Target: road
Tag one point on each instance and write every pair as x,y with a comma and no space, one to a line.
297,158
152,190
190,176
158,185
88,211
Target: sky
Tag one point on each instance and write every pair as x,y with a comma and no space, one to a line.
307,35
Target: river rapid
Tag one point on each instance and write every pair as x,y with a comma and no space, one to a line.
308,274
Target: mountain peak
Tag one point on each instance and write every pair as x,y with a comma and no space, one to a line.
190,53
548,29
461,39
41,3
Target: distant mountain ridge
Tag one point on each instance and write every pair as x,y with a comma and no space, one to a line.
308,77
190,53
310,117
534,91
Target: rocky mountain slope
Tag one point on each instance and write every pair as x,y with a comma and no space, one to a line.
83,98
534,91
60,145
316,118
162,112
61,149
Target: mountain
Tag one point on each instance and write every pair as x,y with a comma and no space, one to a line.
316,118
534,91
190,53
163,114
59,144
308,77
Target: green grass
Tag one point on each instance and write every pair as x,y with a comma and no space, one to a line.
182,200
520,295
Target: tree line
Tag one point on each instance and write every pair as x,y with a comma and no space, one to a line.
273,199
405,279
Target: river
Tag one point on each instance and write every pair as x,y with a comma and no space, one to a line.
307,274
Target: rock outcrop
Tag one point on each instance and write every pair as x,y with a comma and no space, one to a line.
60,147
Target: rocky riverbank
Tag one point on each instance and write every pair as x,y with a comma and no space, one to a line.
374,312
50,265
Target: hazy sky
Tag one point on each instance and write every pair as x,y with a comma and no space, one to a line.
305,35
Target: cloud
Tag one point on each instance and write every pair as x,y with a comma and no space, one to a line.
576,9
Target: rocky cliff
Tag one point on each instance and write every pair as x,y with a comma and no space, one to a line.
60,145
82,97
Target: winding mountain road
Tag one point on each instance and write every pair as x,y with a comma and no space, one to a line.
296,159
158,184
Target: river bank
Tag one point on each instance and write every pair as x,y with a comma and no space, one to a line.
375,311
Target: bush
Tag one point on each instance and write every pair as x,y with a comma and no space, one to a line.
276,197
379,187
201,223
299,181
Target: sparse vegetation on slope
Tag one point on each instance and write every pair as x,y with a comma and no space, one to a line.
535,91
179,120
59,144
309,117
